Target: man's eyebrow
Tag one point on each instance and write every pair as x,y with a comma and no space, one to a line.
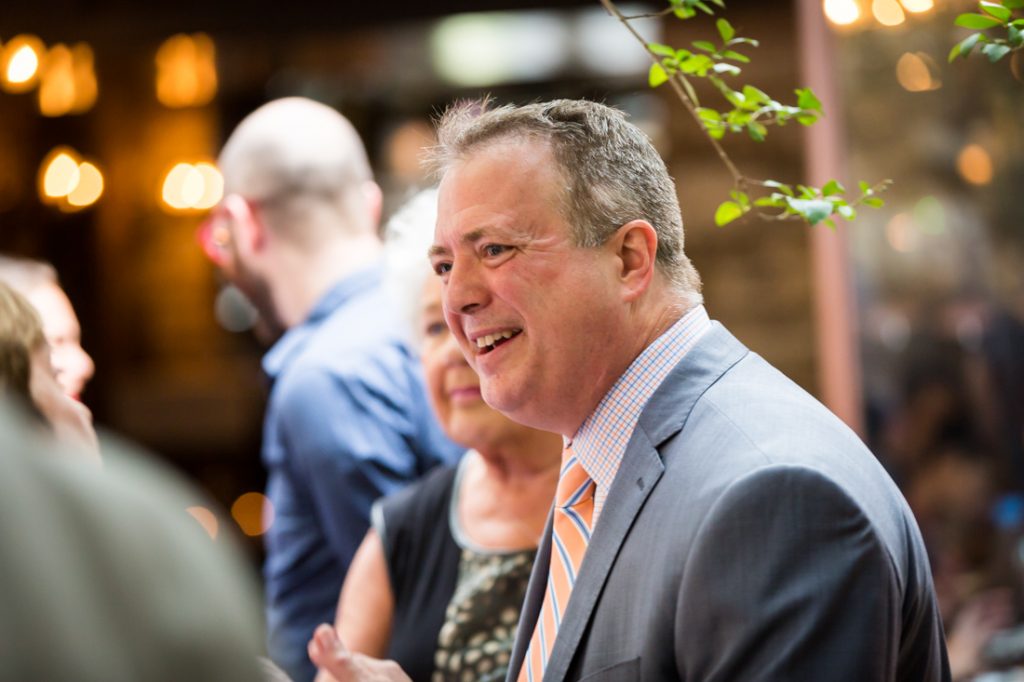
469,238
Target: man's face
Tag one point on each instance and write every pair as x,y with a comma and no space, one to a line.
534,314
218,238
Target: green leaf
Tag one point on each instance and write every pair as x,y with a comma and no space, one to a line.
774,201
685,13
813,210
807,119
874,202
702,7
661,50
741,198
709,115
977,21
705,45
807,100
995,51
830,224
785,189
965,46
1013,4
736,56
696,64
727,212
847,212
832,187
755,96
865,188
757,131
1019,23
730,69
656,76
720,3
725,30
1015,35
995,9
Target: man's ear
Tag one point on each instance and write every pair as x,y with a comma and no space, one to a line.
636,248
247,232
374,199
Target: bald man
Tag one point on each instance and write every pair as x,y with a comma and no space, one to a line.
347,420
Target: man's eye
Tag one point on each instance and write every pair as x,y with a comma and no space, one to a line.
495,249
442,268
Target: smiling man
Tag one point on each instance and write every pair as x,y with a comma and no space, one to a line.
713,520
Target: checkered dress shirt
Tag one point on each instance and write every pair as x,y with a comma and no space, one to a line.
601,440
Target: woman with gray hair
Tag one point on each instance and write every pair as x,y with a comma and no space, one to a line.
439,579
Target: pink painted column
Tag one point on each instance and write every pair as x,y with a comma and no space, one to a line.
838,351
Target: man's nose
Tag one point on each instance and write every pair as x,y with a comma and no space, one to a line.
465,291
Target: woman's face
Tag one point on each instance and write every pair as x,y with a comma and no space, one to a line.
70,419
453,386
73,365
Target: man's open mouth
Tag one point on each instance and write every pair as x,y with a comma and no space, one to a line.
485,344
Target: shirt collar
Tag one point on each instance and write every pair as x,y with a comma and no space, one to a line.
288,346
600,443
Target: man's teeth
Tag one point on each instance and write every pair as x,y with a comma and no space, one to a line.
490,339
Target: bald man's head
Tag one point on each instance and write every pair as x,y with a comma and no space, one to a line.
294,157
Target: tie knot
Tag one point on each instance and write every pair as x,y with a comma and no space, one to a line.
574,485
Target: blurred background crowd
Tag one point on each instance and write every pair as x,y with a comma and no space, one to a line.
908,322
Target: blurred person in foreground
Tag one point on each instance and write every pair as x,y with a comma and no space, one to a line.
713,521
439,580
27,375
37,281
104,576
348,418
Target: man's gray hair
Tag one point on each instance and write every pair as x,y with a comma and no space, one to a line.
611,170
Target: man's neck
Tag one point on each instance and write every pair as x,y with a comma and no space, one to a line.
302,278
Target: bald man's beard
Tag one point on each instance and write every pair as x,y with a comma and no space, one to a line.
268,328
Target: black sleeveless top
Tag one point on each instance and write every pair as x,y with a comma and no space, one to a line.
456,606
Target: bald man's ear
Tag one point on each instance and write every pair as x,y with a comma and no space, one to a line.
636,247
247,232
374,200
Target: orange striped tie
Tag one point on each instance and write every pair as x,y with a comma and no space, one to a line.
574,510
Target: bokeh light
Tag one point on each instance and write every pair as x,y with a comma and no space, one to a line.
253,513
20,61
888,12
914,73
901,233
186,71
188,187
207,519
59,173
89,187
975,165
68,181
841,12
917,6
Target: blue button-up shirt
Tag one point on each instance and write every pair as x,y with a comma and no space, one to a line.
347,422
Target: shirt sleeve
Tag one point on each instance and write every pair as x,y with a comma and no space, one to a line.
350,441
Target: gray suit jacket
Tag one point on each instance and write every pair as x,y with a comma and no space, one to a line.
749,535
